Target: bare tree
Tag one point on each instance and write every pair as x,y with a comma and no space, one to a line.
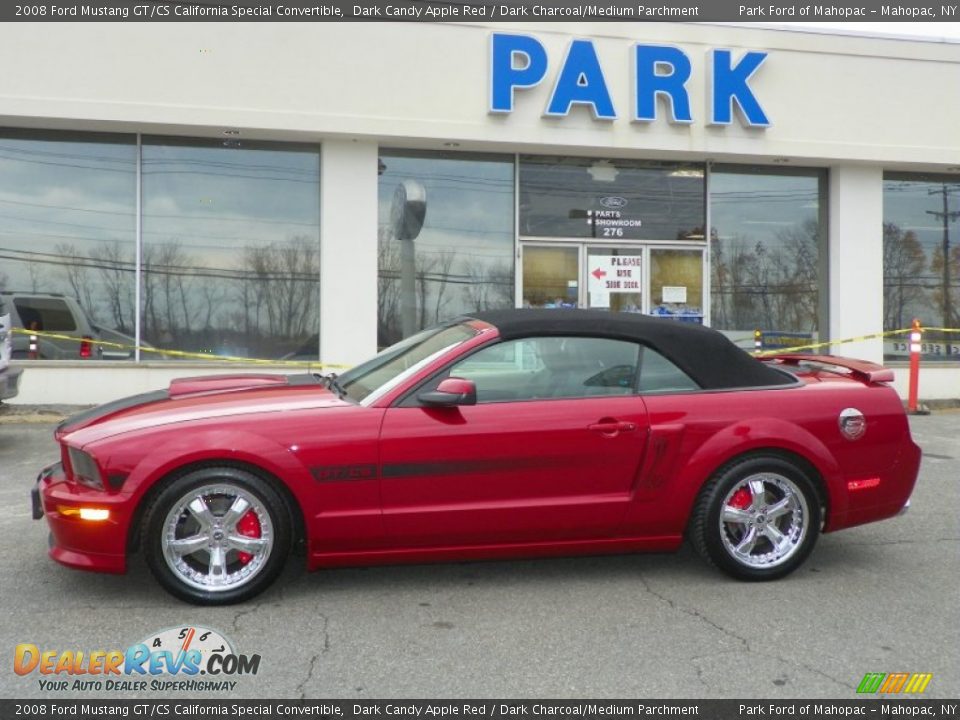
444,263
425,265
903,264
936,267
37,281
488,285
388,289
75,269
280,280
115,268
166,279
799,276
213,298
767,285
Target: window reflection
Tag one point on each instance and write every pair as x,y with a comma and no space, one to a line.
67,228
610,199
231,251
921,216
765,250
447,249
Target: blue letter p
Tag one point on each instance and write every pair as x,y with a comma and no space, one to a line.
505,75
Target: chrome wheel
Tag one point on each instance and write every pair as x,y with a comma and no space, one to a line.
764,520
217,537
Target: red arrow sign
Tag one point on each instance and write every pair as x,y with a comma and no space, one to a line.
598,273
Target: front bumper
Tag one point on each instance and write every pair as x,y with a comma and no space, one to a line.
10,382
99,546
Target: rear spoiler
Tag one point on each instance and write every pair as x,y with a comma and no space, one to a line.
860,369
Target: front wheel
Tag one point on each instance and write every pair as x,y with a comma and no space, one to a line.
216,536
758,519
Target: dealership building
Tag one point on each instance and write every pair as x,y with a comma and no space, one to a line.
229,195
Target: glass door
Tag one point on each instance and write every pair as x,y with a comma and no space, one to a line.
615,278
641,278
676,284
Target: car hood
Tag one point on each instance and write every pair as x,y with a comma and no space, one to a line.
198,398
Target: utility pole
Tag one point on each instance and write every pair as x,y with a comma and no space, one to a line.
946,216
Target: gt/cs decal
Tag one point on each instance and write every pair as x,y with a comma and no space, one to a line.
338,473
341,473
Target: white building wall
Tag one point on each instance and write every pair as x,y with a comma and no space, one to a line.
59,382
829,98
855,259
348,252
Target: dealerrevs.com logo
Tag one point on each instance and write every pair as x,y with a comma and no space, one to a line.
188,659
892,683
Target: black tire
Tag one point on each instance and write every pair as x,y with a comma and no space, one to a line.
230,576
761,556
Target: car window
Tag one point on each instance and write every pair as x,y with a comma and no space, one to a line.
371,380
551,367
659,375
50,314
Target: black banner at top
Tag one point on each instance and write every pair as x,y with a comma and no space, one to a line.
473,709
480,10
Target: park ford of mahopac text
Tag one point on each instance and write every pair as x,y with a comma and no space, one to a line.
819,709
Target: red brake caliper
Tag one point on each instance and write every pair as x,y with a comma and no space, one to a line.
248,525
742,499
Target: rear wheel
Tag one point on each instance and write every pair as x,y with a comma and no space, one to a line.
758,519
216,536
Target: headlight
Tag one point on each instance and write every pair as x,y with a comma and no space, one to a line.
84,469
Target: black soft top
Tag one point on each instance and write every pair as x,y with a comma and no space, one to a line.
706,355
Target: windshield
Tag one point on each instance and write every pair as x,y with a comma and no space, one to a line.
397,362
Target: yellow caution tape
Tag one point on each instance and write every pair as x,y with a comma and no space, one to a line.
874,336
181,353
828,343
318,364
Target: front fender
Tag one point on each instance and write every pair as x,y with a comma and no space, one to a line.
170,450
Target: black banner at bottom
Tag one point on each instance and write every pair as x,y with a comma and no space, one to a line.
431,709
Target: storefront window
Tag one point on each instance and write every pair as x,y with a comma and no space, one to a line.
765,244
67,240
446,238
563,197
551,277
921,262
676,284
231,248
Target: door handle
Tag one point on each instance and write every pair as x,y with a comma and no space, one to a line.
612,427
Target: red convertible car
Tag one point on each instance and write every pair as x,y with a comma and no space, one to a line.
505,434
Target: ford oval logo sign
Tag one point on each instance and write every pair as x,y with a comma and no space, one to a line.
613,202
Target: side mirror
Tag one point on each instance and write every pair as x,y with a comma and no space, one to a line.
451,392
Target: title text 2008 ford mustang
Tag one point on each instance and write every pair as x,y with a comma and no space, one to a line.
508,433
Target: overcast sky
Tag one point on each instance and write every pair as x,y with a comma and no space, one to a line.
944,31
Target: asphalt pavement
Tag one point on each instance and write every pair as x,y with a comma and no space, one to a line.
881,598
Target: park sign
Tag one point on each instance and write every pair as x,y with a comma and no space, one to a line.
519,62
